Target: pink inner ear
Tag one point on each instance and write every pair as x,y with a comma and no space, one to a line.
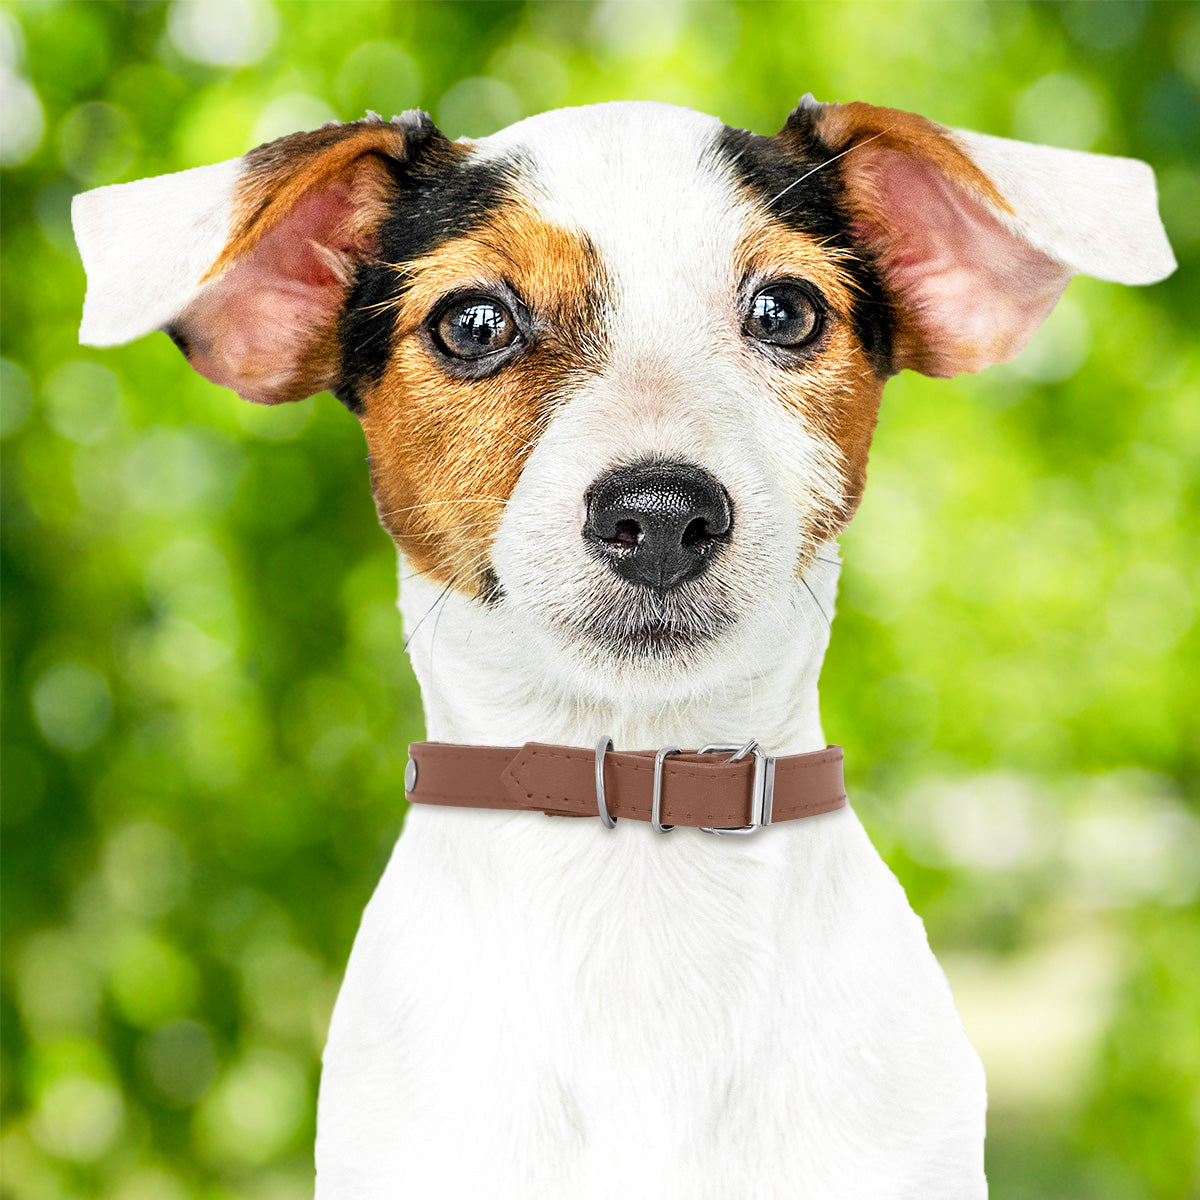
976,291
290,251
259,328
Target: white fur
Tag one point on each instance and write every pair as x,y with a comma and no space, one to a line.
539,1008
147,245
1095,213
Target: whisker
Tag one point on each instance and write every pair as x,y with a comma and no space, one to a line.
816,601
395,512
440,605
466,526
827,162
445,592
456,577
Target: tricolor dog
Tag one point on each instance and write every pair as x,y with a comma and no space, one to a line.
618,369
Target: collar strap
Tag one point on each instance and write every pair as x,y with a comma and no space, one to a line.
704,789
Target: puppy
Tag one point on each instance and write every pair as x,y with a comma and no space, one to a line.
618,369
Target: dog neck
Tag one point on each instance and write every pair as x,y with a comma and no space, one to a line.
489,677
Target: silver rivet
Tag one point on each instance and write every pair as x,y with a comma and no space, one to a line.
410,775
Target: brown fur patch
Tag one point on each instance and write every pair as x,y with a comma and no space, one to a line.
836,393
446,452
842,126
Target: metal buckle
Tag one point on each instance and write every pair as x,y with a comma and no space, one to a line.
603,746
762,787
656,802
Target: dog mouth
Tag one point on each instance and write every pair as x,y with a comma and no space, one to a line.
651,641
643,626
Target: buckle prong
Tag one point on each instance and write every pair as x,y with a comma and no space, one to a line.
748,748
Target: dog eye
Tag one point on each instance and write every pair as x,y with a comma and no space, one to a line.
784,315
474,327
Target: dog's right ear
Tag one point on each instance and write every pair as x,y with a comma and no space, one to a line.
246,264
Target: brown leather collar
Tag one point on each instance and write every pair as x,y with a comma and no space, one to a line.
700,790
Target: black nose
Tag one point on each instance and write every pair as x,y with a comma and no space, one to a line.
658,524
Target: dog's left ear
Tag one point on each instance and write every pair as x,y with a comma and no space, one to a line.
978,236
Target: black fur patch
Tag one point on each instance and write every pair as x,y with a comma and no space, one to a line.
777,171
177,336
491,590
441,194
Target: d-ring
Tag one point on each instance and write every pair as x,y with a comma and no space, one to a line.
603,746
656,802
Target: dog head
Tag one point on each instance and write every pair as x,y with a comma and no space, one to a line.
618,367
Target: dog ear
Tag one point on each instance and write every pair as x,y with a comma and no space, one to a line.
246,264
977,236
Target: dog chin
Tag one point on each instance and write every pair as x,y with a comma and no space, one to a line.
668,633
660,642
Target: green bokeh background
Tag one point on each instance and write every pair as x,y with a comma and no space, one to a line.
206,701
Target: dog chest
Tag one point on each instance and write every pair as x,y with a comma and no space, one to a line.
572,1012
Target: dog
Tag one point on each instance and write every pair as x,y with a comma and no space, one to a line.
618,370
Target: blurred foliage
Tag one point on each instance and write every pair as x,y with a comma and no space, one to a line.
206,705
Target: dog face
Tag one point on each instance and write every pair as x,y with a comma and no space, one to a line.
618,367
